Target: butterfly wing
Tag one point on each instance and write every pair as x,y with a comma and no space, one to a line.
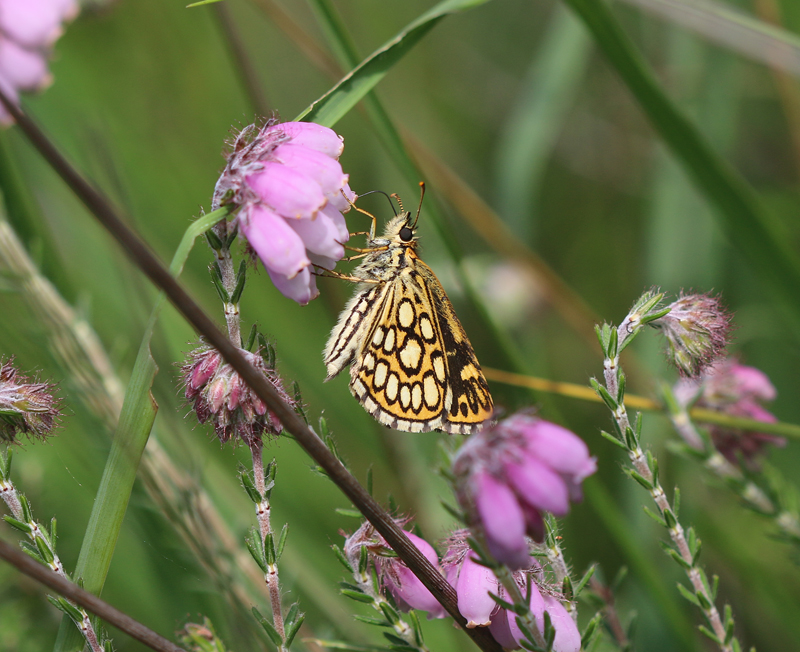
416,370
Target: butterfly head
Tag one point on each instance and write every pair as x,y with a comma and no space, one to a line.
401,231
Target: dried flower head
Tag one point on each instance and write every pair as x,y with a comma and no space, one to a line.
25,408
28,30
738,390
218,394
511,472
697,328
287,179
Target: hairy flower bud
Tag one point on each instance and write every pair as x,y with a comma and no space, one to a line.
738,390
510,472
287,179
218,394
697,329
25,408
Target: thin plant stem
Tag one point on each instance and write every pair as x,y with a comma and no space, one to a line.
645,466
158,274
42,542
88,601
584,393
513,592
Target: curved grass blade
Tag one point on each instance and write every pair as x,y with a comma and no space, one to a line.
743,219
328,109
133,430
731,28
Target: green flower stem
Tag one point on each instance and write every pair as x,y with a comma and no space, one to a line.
514,595
363,580
582,392
39,538
643,471
699,445
555,558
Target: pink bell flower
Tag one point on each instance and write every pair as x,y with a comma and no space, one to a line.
511,472
292,192
28,30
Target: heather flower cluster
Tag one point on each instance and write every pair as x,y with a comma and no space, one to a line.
287,179
509,473
737,390
219,394
28,30
25,408
473,584
696,329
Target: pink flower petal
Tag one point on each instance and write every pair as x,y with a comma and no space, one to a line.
503,521
288,192
312,135
753,381
276,243
340,203
538,485
24,69
338,220
473,586
408,588
568,638
302,288
561,449
327,172
536,606
320,236
32,23
321,261
501,632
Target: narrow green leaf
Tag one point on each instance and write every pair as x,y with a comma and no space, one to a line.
328,109
744,220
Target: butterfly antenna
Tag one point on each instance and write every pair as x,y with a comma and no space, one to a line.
419,208
394,210
399,203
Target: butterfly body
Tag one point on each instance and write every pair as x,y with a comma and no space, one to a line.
411,364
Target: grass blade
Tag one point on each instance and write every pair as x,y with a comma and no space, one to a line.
328,109
742,217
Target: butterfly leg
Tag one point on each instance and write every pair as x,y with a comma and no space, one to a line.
345,277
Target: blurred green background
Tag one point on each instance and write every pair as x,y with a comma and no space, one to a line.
513,99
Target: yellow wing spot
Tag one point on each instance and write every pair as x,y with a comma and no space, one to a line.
405,313
377,338
431,392
392,386
426,328
369,361
438,368
405,396
380,375
410,354
469,371
388,343
416,397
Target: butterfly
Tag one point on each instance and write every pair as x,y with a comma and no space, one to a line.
411,364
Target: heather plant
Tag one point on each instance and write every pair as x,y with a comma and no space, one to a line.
181,415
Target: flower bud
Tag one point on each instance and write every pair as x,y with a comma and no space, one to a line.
697,329
738,390
25,408
220,395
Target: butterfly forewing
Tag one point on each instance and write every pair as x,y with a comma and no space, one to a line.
411,364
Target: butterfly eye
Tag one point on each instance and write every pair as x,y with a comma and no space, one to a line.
406,234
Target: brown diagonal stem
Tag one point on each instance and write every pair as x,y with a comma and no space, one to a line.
144,258
88,601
